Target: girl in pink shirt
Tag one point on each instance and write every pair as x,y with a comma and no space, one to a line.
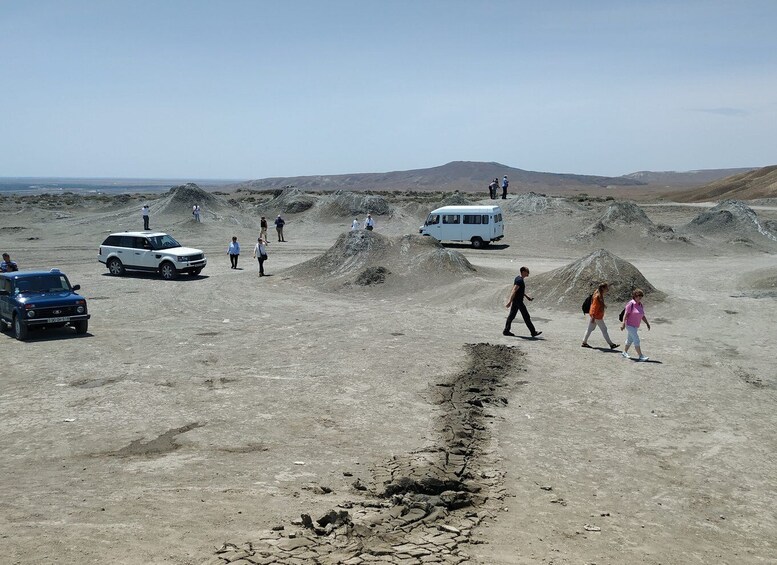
633,315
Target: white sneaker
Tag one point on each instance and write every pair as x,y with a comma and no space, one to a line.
643,358
625,355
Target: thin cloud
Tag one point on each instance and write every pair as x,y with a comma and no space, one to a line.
723,111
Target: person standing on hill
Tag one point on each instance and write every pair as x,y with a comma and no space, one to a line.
144,213
196,212
596,313
516,303
492,188
633,314
369,223
263,228
505,184
234,251
355,224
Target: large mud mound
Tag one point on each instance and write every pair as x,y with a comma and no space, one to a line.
455,199
621,217
568,286
761,283
180,199
365,258
732,220
533,203
344,204
289,201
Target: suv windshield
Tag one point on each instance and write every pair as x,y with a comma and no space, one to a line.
163,242
42,283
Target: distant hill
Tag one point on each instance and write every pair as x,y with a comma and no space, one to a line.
685,178
760,183
467,176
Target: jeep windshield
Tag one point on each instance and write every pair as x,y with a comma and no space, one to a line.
42,283
163,242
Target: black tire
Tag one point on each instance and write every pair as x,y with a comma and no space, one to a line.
477,243
168,271
81,326
3,326
115,267
19,329
196,272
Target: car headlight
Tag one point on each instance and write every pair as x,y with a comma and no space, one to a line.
30,313
80,309
183,259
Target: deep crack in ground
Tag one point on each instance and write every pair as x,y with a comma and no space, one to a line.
421,507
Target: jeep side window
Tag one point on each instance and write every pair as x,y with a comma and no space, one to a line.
113,241
141,243
126,241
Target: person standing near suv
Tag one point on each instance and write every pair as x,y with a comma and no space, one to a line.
144,213
234,251
8,266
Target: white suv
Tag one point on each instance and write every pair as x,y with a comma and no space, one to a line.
149,251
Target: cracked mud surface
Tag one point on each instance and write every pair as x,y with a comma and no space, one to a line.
420,507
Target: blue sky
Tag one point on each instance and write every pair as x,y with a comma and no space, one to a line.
253,89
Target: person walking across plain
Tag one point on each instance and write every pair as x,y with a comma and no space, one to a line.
234,251
633,315
263,228
355,224
516,303
144,213
260,253
505,184
369,223
279,223
596,316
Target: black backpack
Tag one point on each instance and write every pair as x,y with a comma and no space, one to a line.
620,316
587,304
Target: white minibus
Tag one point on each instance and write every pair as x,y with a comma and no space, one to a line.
480,225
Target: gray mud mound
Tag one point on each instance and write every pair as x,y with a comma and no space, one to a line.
289,201
760,284
365,258
568,286
731,220
180,199
455,199
621,217
345,204
533,203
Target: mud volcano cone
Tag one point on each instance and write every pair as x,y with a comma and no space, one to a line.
180,199
367,258
731,219
290,201
568,286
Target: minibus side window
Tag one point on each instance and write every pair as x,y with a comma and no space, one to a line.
485,218
433,219
450,219
472,219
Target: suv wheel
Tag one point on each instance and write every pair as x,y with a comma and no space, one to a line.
2,325
115,267
19,329
81,326
168,271
196,272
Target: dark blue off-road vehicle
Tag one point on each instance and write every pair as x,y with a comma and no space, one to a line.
40,299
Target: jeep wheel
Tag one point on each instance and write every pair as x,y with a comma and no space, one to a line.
81,326
168,271
115,267
196,272
19,329
2,325
477,243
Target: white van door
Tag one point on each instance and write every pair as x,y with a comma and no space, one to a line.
451,227
433,226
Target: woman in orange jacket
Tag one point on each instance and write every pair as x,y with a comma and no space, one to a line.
596,316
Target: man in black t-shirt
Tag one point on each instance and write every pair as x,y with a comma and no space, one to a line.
516,303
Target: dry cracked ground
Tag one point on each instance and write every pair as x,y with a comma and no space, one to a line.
231,419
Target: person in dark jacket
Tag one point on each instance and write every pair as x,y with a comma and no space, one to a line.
279,223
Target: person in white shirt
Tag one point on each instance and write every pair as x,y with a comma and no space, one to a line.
260,253
144,213
355,224
369,223
234,251
196,212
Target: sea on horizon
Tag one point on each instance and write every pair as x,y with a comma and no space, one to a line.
53,185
